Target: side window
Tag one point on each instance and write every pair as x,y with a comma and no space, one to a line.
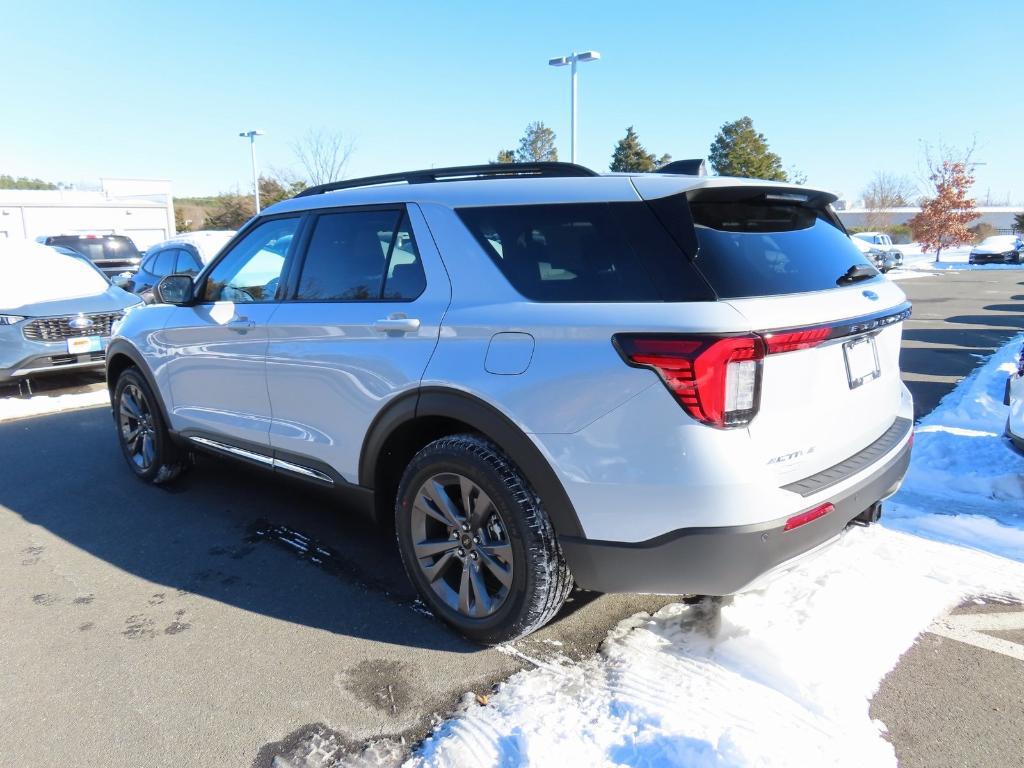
347,256
405,278
163,263
188,264
251,270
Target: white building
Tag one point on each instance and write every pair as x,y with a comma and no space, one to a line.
142,209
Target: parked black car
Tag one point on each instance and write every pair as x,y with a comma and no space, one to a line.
113,254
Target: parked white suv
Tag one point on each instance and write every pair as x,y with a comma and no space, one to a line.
648,383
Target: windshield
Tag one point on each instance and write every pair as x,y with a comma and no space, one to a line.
33,273
104,248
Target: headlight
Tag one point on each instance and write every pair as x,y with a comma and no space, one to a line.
11,319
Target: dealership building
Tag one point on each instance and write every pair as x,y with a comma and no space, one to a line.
142,209
1001,218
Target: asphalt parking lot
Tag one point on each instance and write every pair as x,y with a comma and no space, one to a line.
236,618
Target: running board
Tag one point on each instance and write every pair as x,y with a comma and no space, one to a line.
263,460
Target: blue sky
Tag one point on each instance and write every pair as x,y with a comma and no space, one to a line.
840,90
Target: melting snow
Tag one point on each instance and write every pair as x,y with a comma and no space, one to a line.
782,676
20,408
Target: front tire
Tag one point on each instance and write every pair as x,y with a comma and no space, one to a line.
476,542
141,432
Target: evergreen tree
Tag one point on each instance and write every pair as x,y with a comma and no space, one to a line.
537,144
739,150
23,182
1018,222
630,155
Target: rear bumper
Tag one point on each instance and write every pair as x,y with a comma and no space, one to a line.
722,560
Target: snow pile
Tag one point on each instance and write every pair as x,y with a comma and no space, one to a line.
779,677
782,676
21,408
964,472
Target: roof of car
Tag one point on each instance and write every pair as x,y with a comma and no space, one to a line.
206,241
515,190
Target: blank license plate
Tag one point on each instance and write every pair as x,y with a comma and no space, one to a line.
861,361
81,345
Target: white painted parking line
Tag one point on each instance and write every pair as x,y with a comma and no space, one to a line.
970,628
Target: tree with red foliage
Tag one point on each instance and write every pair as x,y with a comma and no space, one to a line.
942,222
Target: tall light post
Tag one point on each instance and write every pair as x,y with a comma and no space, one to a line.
561,62
251,135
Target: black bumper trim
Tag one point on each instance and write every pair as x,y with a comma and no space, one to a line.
720,560
857,463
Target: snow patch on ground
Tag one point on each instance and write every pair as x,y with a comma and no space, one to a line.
39,405
778,677
964,472
782,676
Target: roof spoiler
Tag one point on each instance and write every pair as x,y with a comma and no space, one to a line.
685,167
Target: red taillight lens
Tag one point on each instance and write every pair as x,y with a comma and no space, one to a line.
715,379
790,341
811,514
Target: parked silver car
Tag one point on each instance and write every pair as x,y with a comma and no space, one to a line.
56,311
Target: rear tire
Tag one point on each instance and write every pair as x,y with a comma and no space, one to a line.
141,432
476,542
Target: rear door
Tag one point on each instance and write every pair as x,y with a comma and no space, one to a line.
362,320
782,261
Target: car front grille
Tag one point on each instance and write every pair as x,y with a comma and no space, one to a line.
59,328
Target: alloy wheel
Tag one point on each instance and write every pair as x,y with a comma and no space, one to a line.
138,430
461,545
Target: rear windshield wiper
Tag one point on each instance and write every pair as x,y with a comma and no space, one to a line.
855,273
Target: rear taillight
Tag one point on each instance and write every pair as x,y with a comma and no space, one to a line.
716,379
790,341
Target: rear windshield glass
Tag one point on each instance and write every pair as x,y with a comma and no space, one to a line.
571,252
99,248
759,249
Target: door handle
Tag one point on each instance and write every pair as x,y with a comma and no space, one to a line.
241,324
397,325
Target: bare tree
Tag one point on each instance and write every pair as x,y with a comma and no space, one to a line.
323,154
884,192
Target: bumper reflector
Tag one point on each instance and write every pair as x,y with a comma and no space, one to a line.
806,517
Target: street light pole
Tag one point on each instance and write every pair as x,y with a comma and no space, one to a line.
251,135
561,62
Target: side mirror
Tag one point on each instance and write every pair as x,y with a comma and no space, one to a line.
175,289
122,281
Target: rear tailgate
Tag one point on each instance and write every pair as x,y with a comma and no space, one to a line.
817,408
830,383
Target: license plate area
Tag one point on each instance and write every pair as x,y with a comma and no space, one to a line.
861,357
81,345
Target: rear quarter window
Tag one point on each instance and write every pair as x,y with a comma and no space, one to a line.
585,252
750,248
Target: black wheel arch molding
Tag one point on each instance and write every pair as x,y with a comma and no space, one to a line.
465,408
122,348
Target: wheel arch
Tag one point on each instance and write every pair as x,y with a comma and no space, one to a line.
120,356
418,418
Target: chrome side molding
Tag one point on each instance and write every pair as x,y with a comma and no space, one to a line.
266,461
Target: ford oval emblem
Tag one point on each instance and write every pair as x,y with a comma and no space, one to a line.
870,295
80,323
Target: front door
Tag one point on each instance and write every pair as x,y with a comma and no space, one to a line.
215,351
358,330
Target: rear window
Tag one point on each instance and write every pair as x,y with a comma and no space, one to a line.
766,249
99,248
585,252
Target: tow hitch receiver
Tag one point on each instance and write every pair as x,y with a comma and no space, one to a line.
870,515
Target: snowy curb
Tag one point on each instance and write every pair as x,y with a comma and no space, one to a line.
22,408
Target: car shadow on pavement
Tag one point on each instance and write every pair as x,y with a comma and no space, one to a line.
224,531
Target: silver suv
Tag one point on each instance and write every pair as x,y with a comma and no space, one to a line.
540,376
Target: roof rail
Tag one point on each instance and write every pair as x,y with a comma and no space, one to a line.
457,173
